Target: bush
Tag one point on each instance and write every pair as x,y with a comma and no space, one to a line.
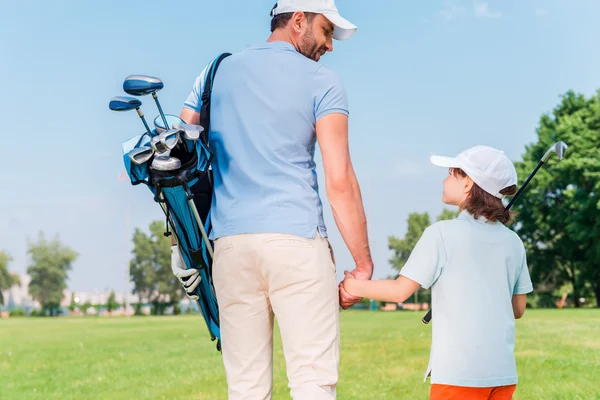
541,300
17,312
37,313
138,309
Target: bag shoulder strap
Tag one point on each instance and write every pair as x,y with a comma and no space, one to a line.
206,95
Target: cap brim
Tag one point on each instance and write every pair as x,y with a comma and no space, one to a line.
343,29
448,162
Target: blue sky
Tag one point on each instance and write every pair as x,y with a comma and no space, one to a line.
422,78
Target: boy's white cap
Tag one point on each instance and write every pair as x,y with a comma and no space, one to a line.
489,168
344,29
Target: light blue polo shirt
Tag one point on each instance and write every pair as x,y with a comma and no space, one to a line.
473,267
266,101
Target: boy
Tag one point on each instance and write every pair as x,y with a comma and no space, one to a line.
476,268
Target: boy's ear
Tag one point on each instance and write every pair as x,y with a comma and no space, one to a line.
468,184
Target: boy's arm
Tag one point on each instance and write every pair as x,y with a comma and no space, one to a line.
519,301
522,286
394,291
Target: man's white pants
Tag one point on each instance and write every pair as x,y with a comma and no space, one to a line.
258,276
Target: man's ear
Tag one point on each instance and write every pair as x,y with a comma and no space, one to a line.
298,22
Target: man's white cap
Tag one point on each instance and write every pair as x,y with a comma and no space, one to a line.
489,168
344,29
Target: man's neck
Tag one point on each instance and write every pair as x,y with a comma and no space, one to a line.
282,36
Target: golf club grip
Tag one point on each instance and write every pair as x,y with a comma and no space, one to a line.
427,317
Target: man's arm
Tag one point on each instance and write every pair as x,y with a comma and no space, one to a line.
190,116
519,301
344,195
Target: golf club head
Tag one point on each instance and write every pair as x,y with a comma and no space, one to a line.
166,163
142,85
141,154
124,103
559,148
169,138
190,131
158,146
159,124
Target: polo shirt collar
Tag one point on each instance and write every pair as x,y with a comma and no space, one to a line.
464,214
281,45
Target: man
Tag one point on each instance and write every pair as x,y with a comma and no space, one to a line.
270,104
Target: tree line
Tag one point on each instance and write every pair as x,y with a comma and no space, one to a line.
558,219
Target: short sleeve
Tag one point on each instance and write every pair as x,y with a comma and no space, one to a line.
427,259
523,284
194,99
330,94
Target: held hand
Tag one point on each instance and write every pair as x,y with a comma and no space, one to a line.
346,299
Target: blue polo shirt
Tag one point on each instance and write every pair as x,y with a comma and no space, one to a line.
473,268
266,101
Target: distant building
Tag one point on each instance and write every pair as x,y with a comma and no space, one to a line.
18,297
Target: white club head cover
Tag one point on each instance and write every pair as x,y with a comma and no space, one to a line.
189,278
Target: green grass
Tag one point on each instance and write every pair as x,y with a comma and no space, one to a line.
383,356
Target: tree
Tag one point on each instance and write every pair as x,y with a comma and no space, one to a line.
417,223
50,264
111,303
448,214
7,280
559,212
73,304
150,268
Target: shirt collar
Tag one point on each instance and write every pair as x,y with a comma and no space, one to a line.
464,214
280,44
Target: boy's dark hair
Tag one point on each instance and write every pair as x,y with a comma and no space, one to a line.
281,20
481,203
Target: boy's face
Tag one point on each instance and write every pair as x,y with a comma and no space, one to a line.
456,189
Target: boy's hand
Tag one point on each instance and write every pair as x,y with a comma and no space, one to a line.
346,299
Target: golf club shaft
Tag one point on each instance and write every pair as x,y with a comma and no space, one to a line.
201,226
524,184
155,97
141,114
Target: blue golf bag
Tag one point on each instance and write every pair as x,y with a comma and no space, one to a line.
185,196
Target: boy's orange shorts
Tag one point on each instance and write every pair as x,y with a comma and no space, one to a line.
448,392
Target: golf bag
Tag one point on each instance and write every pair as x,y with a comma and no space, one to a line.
185,196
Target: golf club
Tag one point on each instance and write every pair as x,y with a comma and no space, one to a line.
158,146
169,138
559,148
142,85
125,103
190,132
166,163
201,226
141,154
171,120
165,141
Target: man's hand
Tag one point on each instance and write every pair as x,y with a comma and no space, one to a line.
346,299
189,278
